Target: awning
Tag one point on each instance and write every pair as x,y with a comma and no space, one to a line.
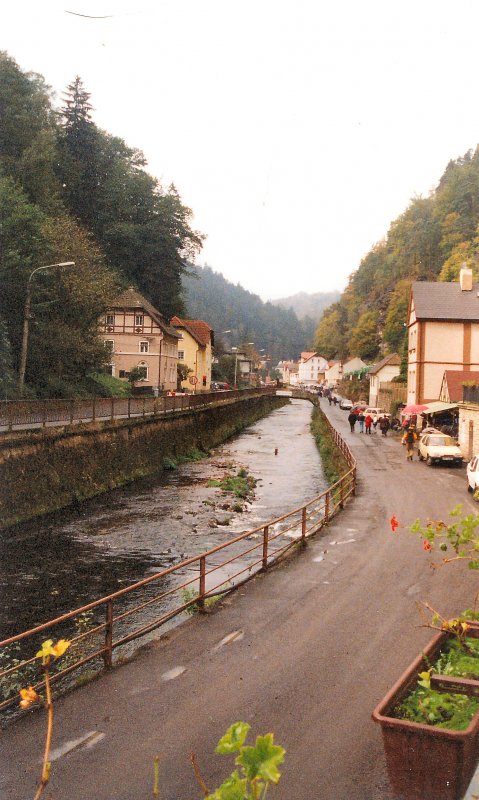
438,406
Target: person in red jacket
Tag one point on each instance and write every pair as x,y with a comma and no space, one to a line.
367,423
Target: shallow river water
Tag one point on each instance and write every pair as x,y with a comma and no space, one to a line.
66,560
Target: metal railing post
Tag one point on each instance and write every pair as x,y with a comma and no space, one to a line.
303,525
112,410
108,652
201,598
326,507
354,481
93,410
265,546
72,410
9,415
44,413
129,407
341,493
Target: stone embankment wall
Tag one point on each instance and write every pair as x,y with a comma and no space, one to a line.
45,472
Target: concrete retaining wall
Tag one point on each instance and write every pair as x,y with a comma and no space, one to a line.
41,473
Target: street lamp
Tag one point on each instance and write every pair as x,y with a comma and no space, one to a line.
26,319
236,364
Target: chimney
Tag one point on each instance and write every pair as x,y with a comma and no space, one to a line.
465,278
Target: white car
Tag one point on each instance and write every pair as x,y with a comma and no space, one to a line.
345,404
437,448
472,470
375,413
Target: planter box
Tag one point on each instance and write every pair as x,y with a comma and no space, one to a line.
424,762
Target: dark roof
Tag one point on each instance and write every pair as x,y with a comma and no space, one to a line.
393,360
455,380
131,298
199,330
438,300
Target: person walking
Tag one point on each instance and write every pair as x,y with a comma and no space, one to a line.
368,422
361,419
409,438
384,425
352,420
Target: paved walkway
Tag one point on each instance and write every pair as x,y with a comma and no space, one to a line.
305,651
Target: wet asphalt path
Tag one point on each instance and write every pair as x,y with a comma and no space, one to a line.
317,643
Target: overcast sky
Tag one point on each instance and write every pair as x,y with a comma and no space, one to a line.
296,131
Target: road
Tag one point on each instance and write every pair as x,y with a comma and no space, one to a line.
316,643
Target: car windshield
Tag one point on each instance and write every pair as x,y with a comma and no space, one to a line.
441,441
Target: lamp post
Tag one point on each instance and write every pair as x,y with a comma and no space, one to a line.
26,320
236,365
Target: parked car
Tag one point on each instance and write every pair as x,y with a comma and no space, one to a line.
436,448
427,430
219,386
472,471
375,412
345,404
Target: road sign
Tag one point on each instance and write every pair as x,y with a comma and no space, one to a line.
193,380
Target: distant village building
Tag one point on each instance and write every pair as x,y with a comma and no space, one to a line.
384,372
287,369
443,334
353,365
452,386
138,337
195,350
312,368
337,370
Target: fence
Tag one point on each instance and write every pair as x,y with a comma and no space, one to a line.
40,413
113,621
390,392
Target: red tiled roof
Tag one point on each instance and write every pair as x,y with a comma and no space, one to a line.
199,330
455,379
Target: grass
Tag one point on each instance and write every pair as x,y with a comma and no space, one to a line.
333,461
240,485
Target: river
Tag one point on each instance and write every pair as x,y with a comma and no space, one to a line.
65,560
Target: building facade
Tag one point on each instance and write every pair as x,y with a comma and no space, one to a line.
139,338
195,350
443,334
312,368
385,371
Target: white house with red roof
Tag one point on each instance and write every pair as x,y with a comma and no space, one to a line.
311,369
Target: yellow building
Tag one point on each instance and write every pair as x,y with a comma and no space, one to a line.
443,334
139,337
195,350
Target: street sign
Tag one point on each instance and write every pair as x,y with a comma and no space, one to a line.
193,380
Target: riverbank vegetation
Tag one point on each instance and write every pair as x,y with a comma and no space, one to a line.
334,463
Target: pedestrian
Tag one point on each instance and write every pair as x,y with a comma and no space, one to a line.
409,438
375,422
335,400
368,422
329,399
361,419
352,420
384,425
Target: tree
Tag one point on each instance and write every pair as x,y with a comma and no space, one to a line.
396,317
365,339
330,338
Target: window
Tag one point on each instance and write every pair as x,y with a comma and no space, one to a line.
123,374
110,320
109,345
144,347
181,355
143,373
139,320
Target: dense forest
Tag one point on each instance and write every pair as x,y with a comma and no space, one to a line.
72,192
226,306
428,242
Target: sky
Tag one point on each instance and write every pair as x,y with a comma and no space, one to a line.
296,131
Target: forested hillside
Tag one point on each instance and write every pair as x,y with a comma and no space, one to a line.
226,306
428,242
72,192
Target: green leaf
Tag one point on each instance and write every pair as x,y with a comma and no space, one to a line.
234,738
233,788
473,565
262,760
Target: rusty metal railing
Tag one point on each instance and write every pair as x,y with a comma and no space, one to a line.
113,620
27,414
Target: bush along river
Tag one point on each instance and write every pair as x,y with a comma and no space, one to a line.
63,561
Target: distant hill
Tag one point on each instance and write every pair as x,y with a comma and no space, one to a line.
227,306
308,305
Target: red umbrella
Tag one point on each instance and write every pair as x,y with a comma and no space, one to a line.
414,409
